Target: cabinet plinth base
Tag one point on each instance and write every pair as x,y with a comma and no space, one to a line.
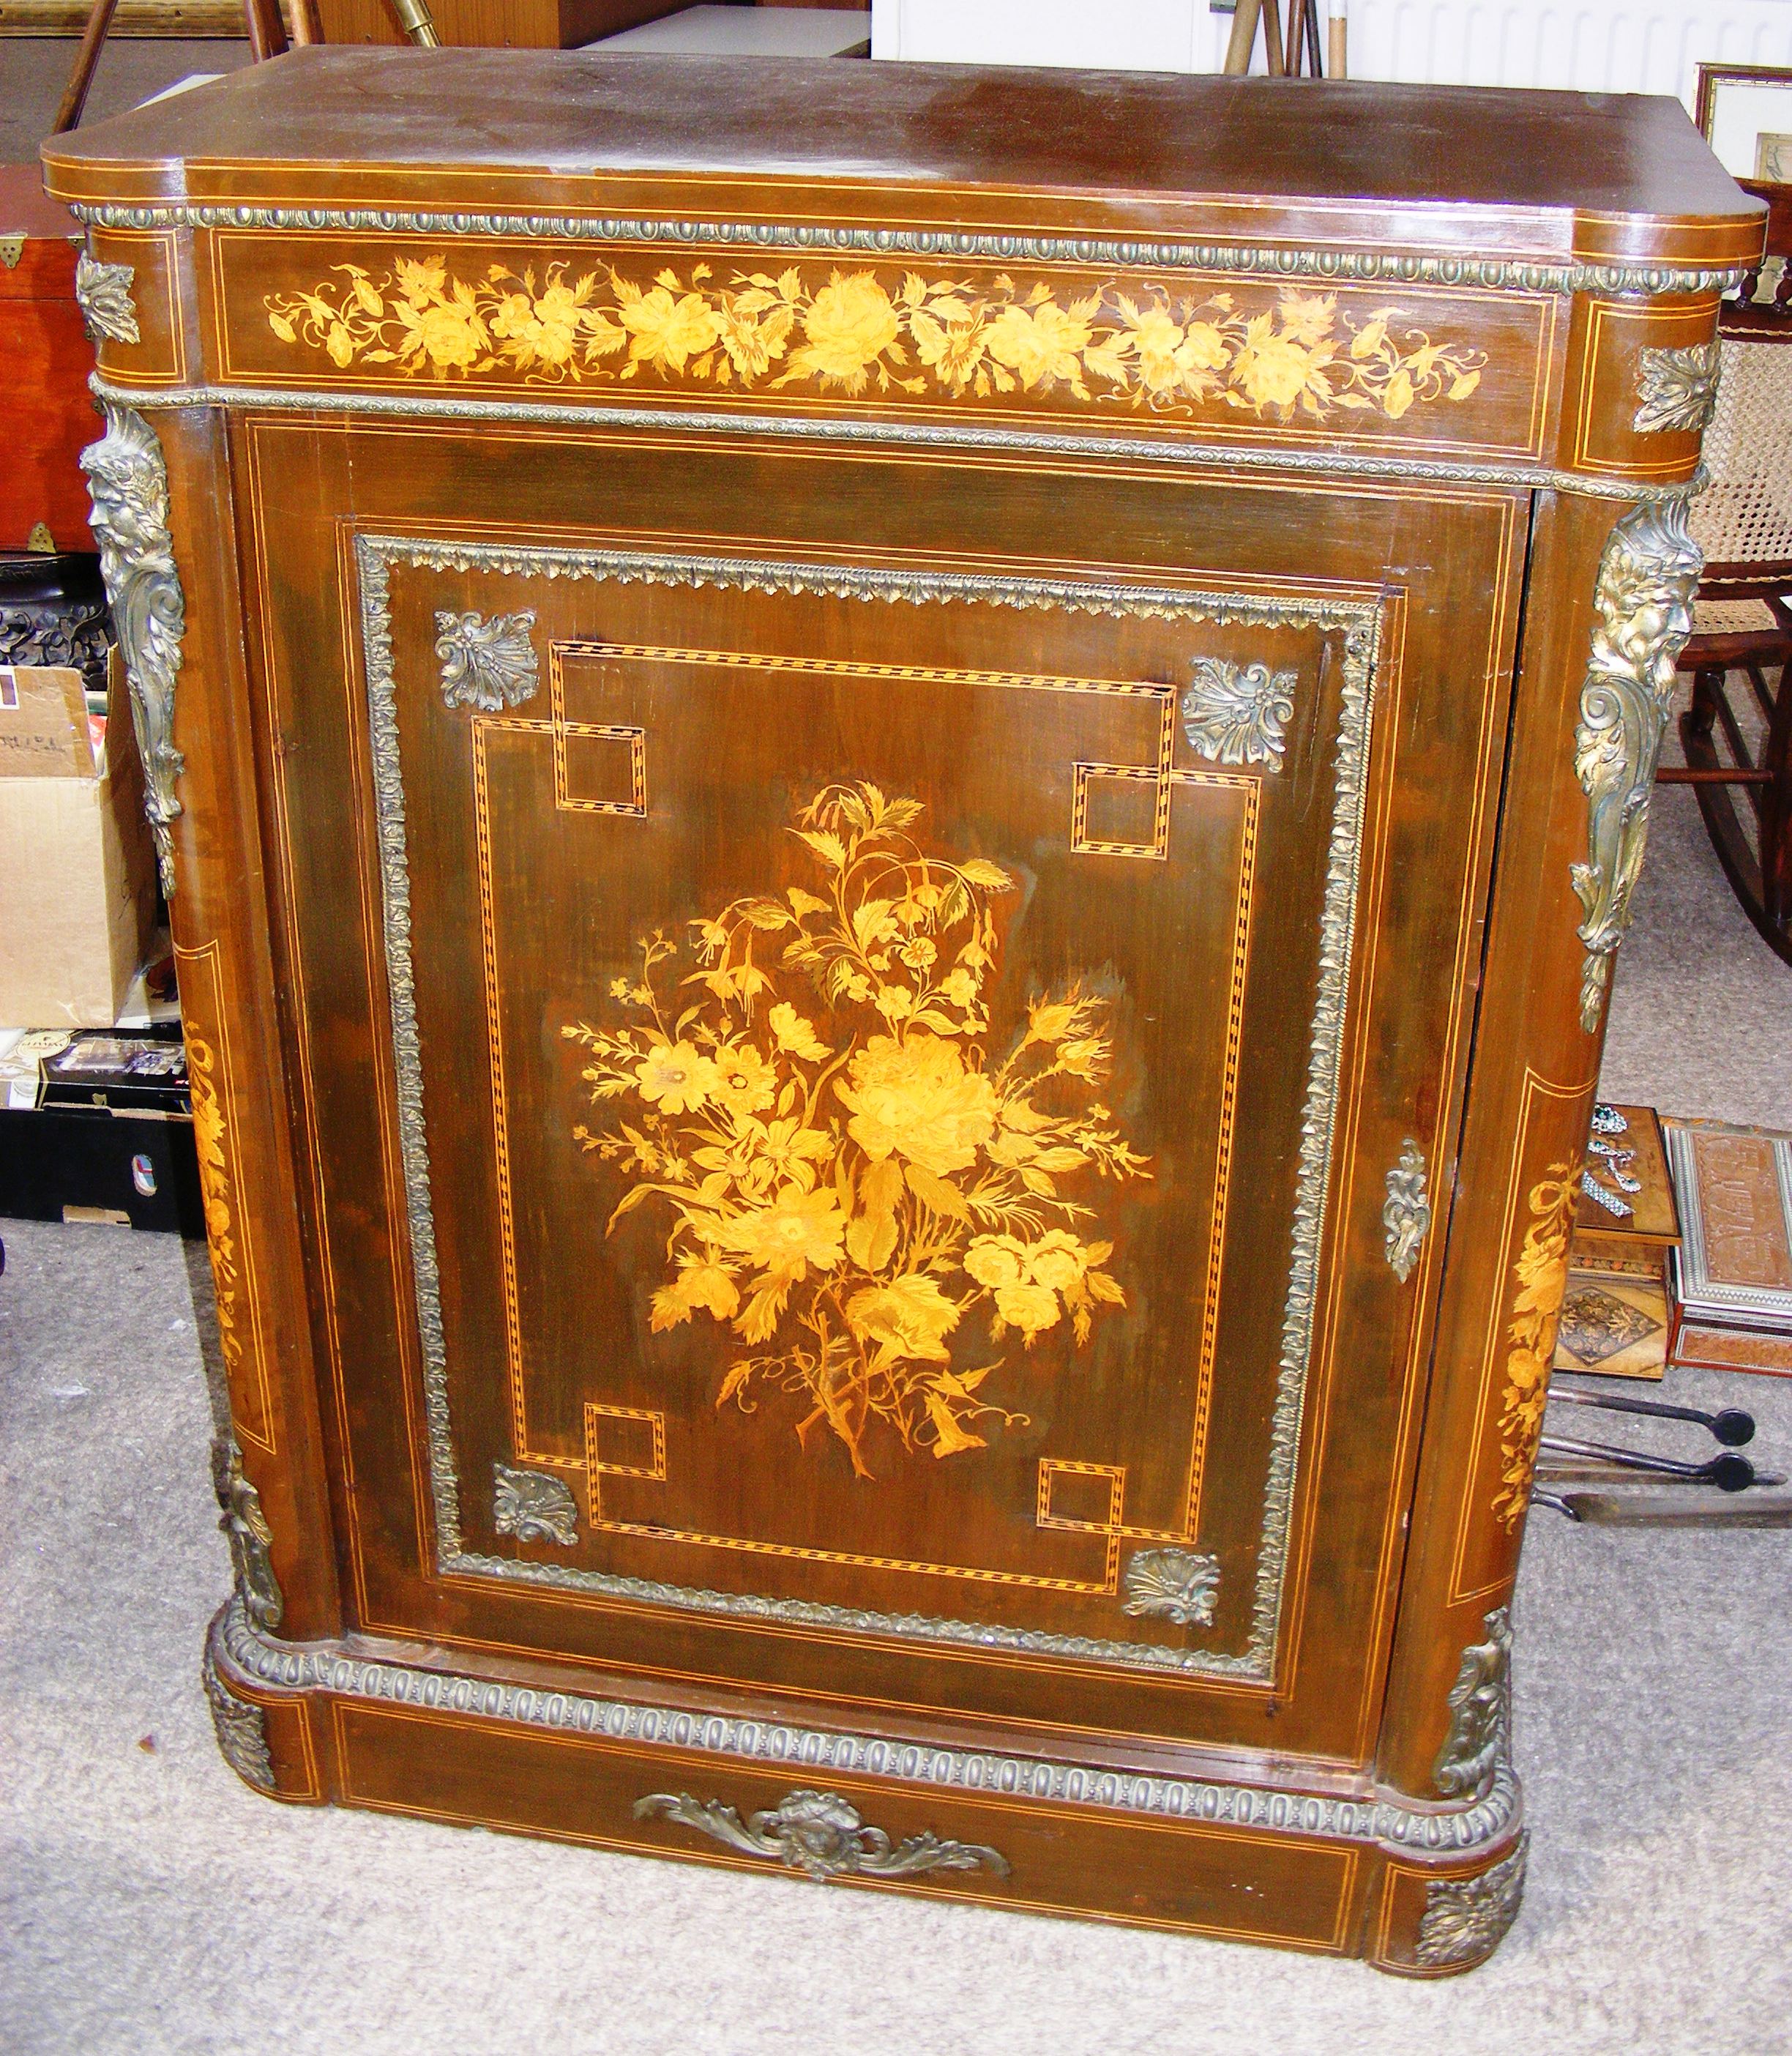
1422,1891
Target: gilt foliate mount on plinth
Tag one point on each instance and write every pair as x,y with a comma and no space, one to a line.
821,1835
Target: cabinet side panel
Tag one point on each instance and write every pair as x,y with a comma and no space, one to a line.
1535,1068
220,920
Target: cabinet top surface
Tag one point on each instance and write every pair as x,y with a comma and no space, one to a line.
1601,177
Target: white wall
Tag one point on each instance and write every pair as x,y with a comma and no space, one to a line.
1592,45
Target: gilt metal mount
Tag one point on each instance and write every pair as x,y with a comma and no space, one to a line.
819,1834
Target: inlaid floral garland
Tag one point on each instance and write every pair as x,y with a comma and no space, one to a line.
849,1177
1541,1274
851,333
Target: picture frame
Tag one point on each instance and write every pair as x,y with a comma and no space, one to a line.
1745,113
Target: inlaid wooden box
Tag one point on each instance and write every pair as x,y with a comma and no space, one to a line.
898,810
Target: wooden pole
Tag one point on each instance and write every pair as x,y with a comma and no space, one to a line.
87,58
1337,40
1243,34
1272,37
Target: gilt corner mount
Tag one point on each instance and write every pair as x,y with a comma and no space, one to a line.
128,480
1643,603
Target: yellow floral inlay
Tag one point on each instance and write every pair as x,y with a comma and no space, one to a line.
1541,1274
849,1178
852,332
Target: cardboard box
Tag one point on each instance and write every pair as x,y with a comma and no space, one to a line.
77,870
129,1169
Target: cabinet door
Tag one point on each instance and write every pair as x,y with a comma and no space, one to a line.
878,1036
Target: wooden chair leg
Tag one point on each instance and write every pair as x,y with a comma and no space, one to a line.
307,24
87,58
1776,809
268,33
1701,717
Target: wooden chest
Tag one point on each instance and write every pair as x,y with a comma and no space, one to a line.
45,413
898,808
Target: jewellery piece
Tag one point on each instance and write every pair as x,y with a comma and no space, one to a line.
819,1834
1407,1213
1644,601
1620,1209
534,1507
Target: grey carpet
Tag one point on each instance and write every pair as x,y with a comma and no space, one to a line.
150,1903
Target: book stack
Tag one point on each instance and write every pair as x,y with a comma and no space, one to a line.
1731,1274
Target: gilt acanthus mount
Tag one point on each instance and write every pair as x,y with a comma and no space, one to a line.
103,292
1238,713
1677,389
1479,1713
487,665
1466,1919
533,1507
1178,1585
1406,1215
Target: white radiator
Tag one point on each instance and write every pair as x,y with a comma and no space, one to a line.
1587,45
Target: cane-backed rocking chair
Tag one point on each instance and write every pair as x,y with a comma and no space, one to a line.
1738,732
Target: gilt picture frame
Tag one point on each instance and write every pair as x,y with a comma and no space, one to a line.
1745,113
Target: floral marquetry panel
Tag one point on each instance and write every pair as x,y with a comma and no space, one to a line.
843,1099
1105,346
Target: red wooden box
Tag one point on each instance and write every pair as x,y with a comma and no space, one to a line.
46,414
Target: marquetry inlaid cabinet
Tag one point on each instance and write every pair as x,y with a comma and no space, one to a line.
896,802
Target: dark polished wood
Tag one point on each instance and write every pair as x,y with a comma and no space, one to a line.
876,872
